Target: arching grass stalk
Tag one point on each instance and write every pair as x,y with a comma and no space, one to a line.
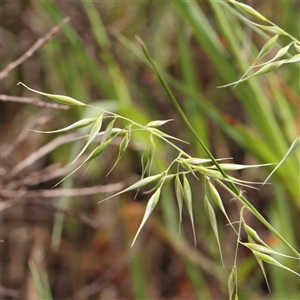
233,189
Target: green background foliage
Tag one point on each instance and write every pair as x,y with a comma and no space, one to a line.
95,59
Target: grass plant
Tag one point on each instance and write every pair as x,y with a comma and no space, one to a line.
245,70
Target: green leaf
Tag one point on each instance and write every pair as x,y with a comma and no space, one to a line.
60,98
94,131
149,208
213,222
295,145
76,125
187,196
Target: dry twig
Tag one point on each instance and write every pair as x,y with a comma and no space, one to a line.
33,101
29,160
23,134
84,219
109,188
33,49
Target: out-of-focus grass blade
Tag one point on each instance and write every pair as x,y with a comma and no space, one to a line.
213,222
295,145
80,124
100,34
41,282
149,208
94,131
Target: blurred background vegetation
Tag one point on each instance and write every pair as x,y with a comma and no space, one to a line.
58,242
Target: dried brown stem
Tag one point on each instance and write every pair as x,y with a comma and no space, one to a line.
84,219
33,101
29,160
23,135
109,188
8,293
33,49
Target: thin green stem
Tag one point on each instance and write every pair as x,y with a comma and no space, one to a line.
254,211
182,114
233,189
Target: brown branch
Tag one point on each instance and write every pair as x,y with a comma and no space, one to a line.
84,219
48,173
109,188
29,160
23,134
10,293
33,101
33,49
